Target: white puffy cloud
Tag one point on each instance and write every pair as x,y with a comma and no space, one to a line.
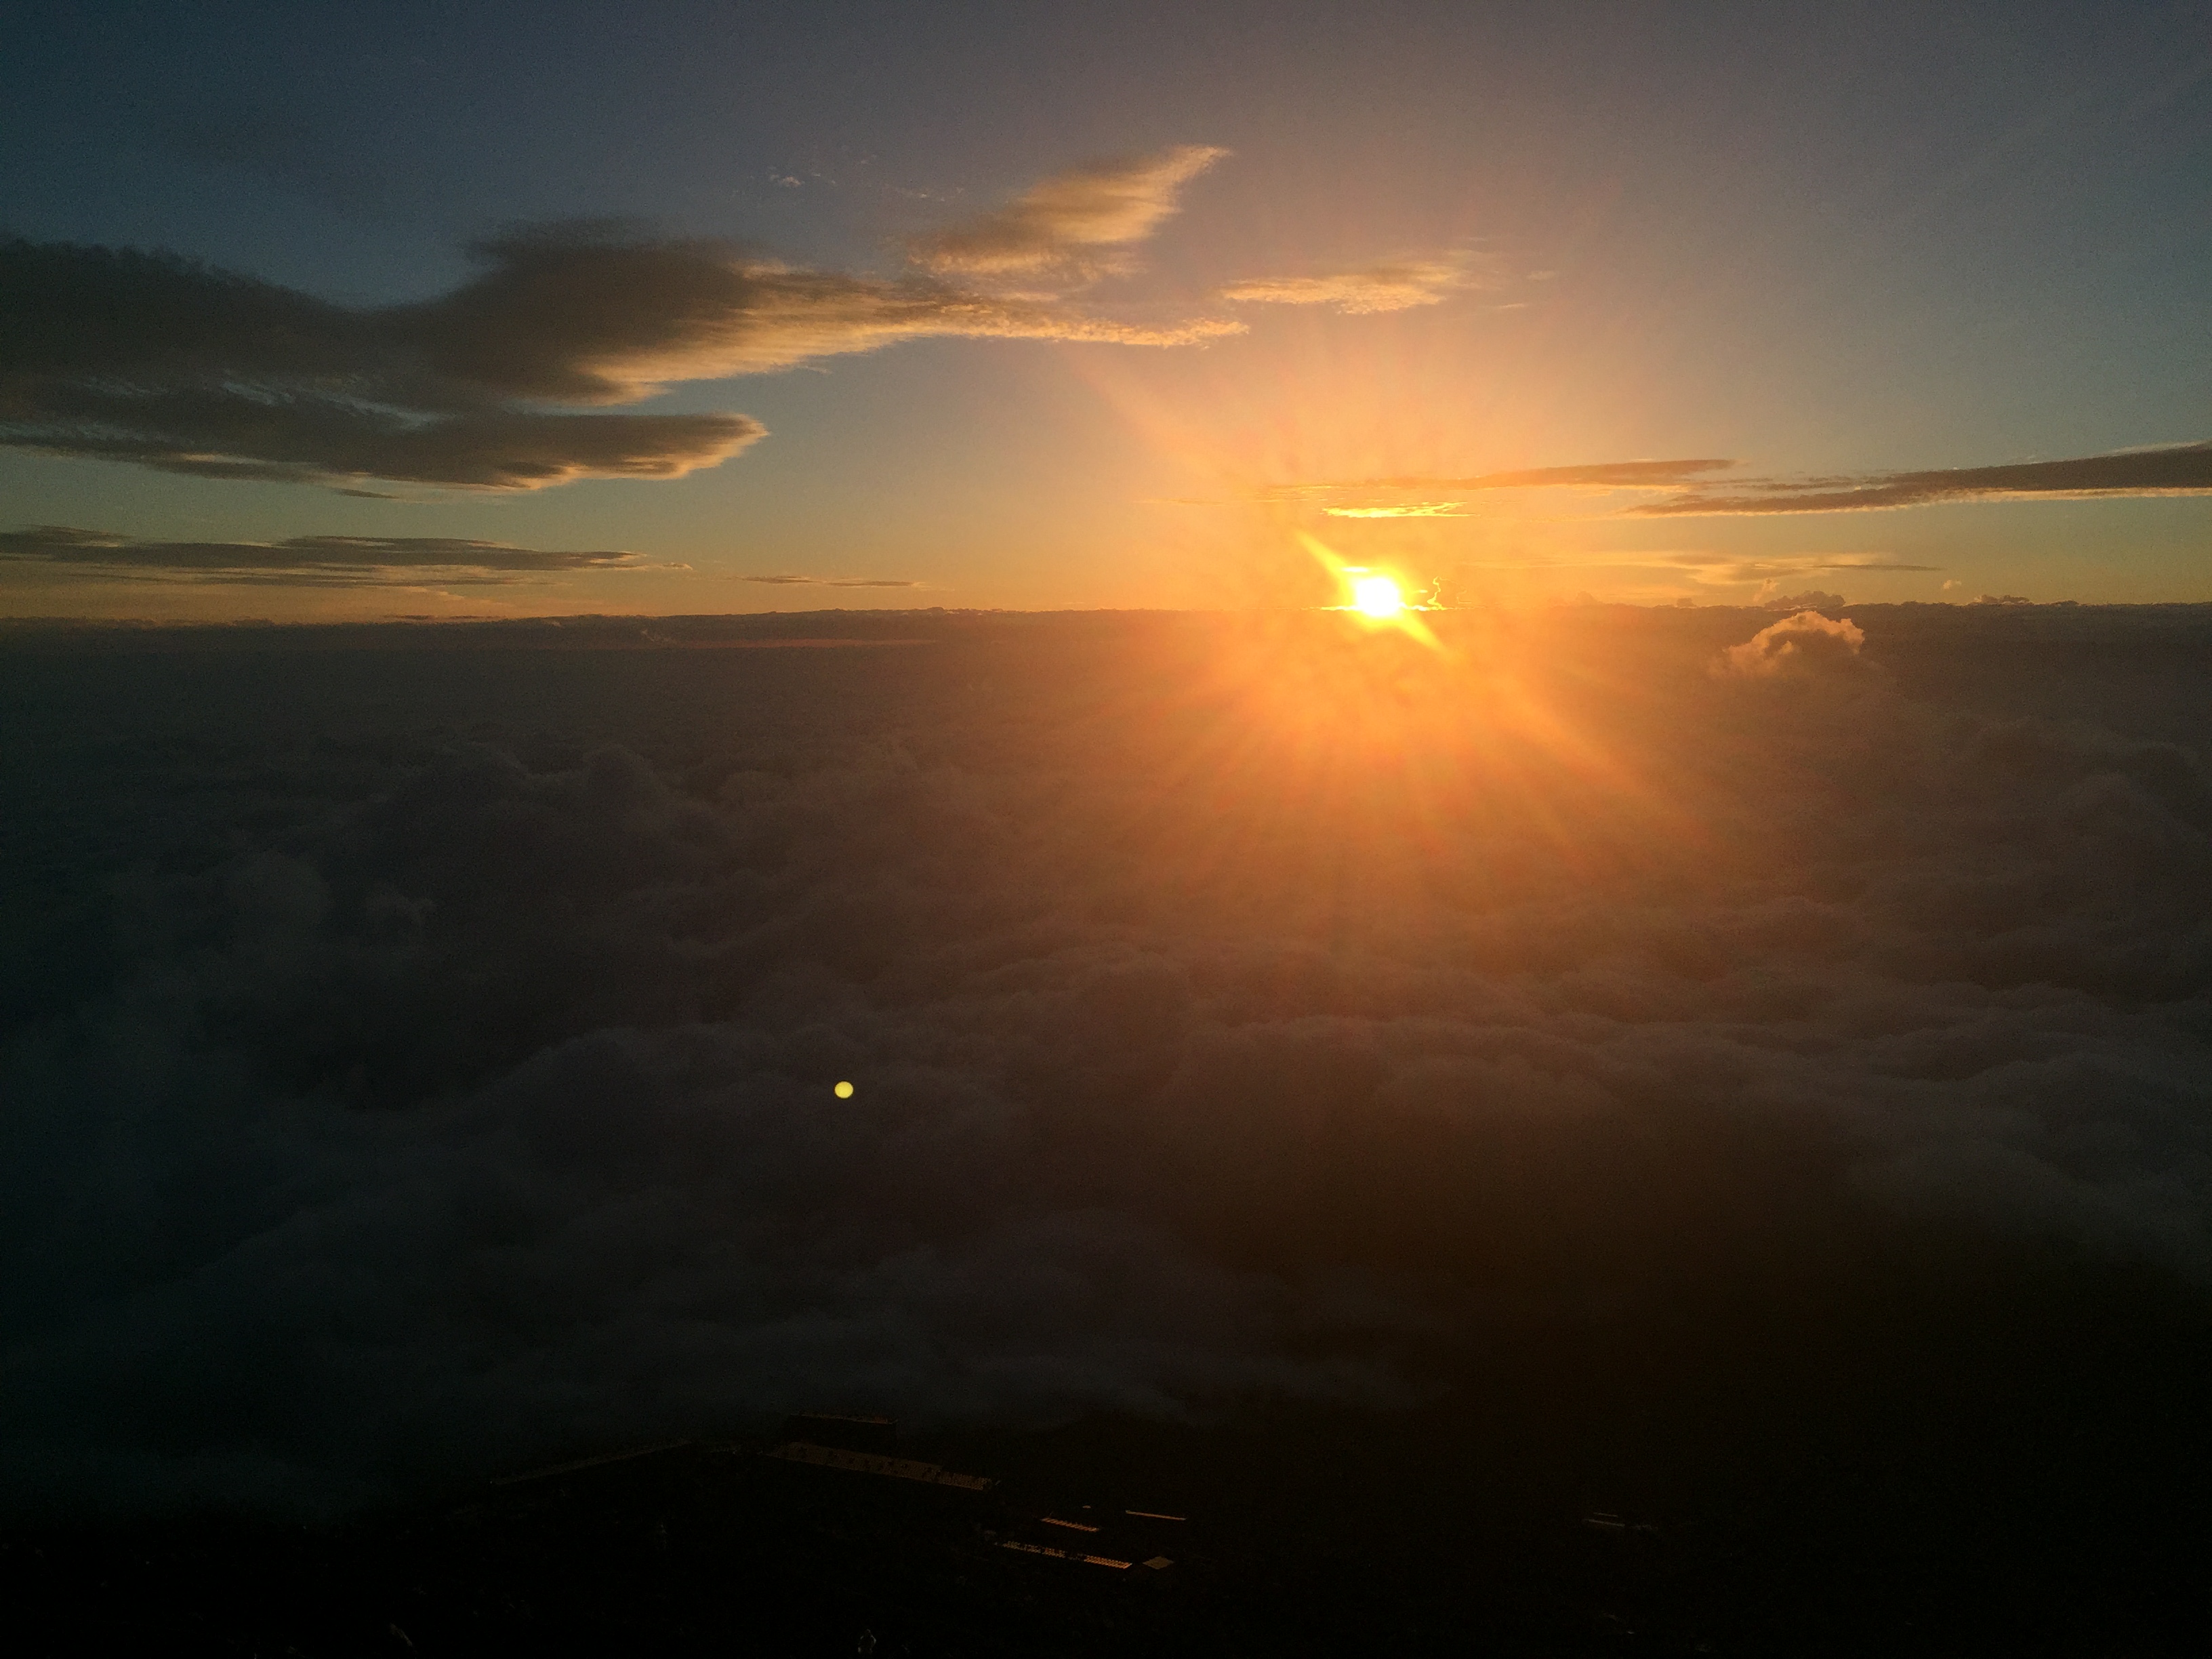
1807,643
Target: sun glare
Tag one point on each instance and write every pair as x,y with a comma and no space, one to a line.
1377,596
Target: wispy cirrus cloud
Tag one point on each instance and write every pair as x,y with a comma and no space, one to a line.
1407,510
1073,228
299,561
1395,285
1358,498
1724,570
2163,470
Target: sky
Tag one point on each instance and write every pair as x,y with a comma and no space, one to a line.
348,312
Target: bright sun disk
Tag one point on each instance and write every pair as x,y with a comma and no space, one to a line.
1377,596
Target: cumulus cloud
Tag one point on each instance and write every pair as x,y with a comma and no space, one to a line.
1073,228
300,561
2166,470
1396,285
151,359
1806,645
428,1071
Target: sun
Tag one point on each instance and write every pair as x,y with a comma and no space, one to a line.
1377,596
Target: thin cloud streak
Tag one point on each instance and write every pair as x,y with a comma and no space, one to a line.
1601,474
300,561
2166,470
1412,510
831,582
1399,285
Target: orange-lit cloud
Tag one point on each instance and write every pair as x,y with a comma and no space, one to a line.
1806,646
1073,226
1410,510
1398,285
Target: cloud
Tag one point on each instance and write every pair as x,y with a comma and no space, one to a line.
1603,475
1774,570
148,358
2167,470
1407,510
426,1072
831,582
1073,228
1398,285
306,561
1770,597
1808,645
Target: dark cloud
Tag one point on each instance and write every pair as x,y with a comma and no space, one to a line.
312,560
151,359
2172,469
418,1060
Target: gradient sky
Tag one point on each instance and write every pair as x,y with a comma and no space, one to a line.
1908,269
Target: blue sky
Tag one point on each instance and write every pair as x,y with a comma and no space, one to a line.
1834,242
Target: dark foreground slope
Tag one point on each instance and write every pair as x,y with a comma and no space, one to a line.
1393,1106
1309,1533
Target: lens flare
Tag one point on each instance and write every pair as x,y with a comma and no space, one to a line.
1377,596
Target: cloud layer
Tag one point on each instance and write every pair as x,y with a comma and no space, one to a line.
298,561
426,1070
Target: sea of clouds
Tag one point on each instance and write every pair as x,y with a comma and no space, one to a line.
420,1051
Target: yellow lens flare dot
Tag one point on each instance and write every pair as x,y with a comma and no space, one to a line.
843,1091
1377,596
